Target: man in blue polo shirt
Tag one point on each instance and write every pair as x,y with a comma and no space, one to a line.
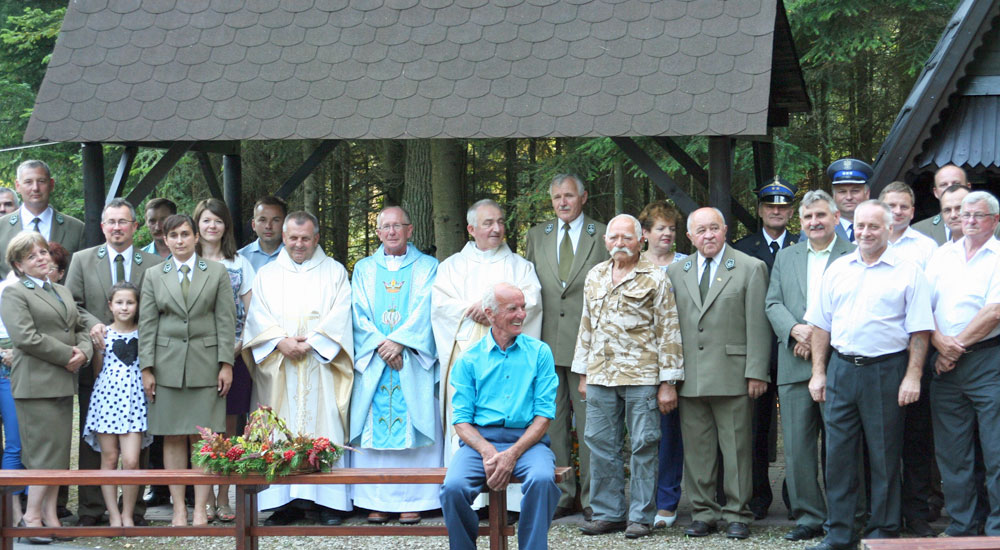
505,392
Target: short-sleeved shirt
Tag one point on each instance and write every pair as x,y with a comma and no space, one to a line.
495,387
871,310
258,258
914,246
963,287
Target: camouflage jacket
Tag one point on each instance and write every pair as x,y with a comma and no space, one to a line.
629,333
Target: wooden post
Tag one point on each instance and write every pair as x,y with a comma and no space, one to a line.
720,175
232,189
92,160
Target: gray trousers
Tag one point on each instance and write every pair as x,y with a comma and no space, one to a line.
863,401
960,399
568,397
801,421
609,411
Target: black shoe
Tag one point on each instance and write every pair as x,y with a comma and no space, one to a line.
139,521
920,528
759,511
699,529
588,513
803,532
284,516
827,546
86,521
512,517
562,511
328,516
156,499
737,530
63,512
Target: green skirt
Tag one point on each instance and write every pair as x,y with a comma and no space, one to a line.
179,411
46,429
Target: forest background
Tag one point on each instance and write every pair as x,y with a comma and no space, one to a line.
859,59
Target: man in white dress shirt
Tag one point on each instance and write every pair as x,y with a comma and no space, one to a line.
874,312
906,241
965,276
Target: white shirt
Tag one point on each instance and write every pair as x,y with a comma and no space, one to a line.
44,226
961,288
816,261
871,310
112,254
914,246
189,263
714,266
779,240
575,227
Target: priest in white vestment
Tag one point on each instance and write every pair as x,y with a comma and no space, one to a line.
299,331
395,420
456,310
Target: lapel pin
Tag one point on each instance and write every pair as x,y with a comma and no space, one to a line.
549,228
166,267
730,264
102,251
687,265
138,258
60,219
29,283
13,219
202,265
591,229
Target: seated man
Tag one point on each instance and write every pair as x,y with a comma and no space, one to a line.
505,397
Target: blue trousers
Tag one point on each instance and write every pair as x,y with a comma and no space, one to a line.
668,482
12,438
466,478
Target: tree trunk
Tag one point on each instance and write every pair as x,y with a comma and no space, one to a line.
417,192
341,211
392,168
619,186
447,162
510,187
310,192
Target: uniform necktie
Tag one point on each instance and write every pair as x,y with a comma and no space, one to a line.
185,282
47,287
119,268
565,254
850,232
706,279
37,221
775,247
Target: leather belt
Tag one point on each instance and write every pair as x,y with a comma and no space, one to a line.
984,344
860,360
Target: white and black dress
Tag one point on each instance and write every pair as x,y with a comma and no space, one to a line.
118,403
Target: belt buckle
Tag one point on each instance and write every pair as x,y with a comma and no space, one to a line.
858,361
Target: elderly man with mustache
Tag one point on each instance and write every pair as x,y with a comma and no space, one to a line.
628,356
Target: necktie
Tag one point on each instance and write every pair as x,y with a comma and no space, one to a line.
185,282
565,254
119,268
47,287
774,247
706,279
850,232
37,221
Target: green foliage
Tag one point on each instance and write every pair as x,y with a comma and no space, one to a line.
26,43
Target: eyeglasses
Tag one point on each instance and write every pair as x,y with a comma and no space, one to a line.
118,222
978,216
394,226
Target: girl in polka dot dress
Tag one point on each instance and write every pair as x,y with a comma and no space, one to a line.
116,421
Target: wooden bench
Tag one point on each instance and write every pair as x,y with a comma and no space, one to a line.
943,543
245,529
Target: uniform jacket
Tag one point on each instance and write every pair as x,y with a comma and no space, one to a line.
786,304
44,332
184,342
933,227
561,307
727,339
89,279
66,230
755,245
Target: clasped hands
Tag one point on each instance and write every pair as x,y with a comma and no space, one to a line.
391,353
76,360
294,347
499,466
802,334
950,350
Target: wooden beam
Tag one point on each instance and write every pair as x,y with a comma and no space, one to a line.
209,172
232,185
649,167
218,147
121,173
92,161
158,171
324,148
690,165
720,172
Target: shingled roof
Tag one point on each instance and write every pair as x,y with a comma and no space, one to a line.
195,70
951,114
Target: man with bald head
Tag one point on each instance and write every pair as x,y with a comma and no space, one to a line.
720,295
628,357
946,176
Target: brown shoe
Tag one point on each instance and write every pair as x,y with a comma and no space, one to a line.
601,527
588,513
378,517
636,530
409,518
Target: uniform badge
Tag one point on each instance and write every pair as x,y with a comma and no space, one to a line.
687,265
13,219
138,259
936,220
29,283
730,264
591,229
848,164
102,251
202,265
60,219
549,228
167,266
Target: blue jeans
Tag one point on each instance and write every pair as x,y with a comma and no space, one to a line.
668,483
12,438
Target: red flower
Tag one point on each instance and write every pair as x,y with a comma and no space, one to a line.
213,455
321,444
206,449
235,453
289,454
